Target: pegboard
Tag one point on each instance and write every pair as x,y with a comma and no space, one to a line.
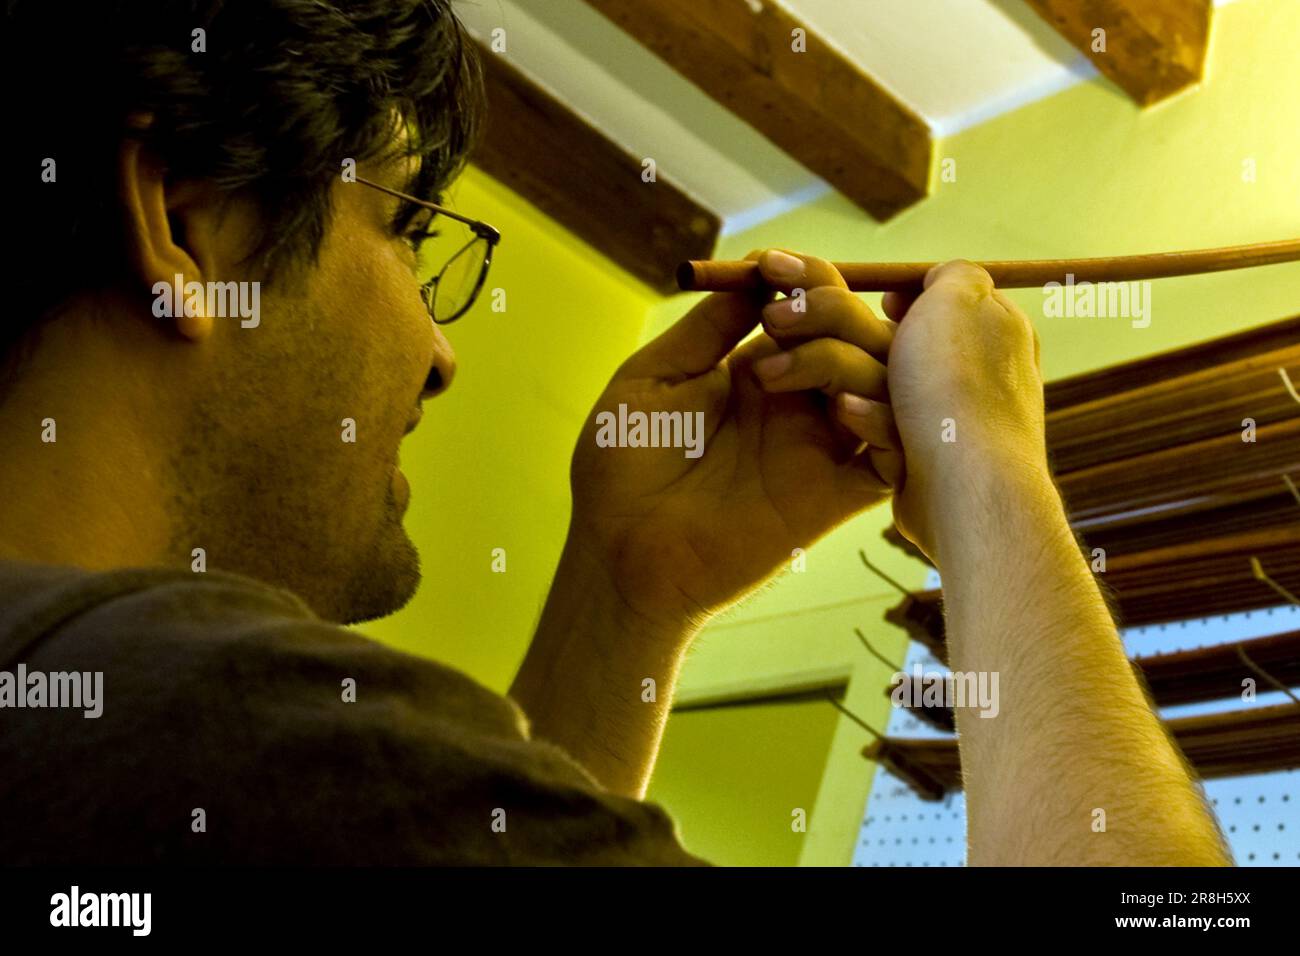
1259,814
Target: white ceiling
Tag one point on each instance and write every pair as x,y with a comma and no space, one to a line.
956,62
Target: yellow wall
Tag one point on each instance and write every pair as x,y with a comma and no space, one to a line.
1082,173
715,774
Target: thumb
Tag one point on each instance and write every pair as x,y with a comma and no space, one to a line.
701,338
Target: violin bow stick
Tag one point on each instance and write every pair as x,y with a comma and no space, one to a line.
719,276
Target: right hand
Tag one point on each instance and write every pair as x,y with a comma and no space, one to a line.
963,366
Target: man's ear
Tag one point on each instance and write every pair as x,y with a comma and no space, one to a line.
160,243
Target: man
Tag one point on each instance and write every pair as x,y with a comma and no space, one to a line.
182,513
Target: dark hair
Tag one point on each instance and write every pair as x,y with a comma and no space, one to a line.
286,90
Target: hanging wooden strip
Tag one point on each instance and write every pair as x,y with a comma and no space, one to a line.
1253,740
1182,677
1188,580
1170,412
1101,383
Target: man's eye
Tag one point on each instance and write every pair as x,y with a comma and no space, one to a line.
417,237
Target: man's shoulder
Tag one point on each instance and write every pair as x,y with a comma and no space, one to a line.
236,726
223,637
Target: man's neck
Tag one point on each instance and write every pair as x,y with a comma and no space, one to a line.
80,483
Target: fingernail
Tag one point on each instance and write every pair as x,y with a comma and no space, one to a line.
782,266
781,313
773,366
854,405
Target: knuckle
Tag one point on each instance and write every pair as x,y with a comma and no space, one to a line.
966,274
829,298
966,267
1014,319
820,358
966,296
838,352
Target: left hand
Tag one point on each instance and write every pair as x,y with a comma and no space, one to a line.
682,537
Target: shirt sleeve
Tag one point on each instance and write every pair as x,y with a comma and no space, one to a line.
237,728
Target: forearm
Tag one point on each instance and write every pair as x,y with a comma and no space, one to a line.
585,681
1074,734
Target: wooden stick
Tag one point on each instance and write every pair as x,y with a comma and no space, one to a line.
720,276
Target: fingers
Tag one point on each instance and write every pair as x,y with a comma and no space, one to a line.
888,464
704,336
825,365
832,312
870,477
960,272
961,288
700,339
1013,309
821,305
896,304
786,271
870,421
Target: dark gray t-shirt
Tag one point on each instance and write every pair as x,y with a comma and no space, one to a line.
224,737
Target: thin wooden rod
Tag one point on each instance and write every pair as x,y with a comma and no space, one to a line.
1258,571
1268,678
882,575
854,717
721,276
875,653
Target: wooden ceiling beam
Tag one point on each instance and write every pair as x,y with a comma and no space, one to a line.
556,160
779,76
1150,48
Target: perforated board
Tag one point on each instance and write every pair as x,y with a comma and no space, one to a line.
1260,814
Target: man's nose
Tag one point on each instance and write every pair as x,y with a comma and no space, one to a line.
443,368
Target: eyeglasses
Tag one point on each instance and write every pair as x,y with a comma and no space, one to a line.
453,289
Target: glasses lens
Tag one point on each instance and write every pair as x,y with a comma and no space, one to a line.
459,281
